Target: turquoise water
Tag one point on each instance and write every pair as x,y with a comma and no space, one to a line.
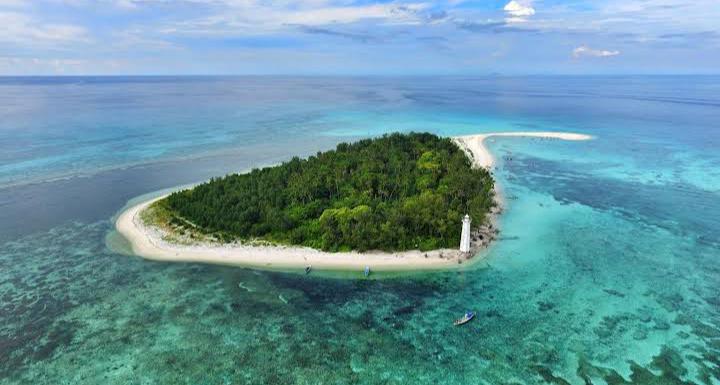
606,271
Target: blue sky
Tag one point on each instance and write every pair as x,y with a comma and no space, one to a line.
411,37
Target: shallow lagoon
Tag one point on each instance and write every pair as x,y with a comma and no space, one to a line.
606,271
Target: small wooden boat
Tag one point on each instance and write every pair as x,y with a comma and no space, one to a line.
307,269
465,319
367,271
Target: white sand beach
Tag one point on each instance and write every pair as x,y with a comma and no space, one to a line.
149,243
482,157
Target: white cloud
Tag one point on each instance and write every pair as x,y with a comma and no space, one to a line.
251,17
584,50
327,15
21,29
646,18
518,11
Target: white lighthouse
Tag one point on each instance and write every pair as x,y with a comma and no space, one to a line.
465,235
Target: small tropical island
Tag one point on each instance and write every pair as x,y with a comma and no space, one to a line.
395,202
393,193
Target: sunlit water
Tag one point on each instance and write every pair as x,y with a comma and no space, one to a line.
606,270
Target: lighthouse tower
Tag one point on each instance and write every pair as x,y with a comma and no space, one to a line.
465,235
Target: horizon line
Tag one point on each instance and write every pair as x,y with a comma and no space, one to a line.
352,75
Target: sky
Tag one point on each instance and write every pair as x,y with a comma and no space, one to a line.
346,37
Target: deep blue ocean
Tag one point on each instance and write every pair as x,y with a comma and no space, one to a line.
607,270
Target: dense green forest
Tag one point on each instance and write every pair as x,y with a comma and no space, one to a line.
396,192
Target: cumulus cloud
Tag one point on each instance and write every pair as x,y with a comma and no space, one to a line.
584,50
518,11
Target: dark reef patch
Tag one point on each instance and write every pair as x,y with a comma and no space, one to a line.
652,204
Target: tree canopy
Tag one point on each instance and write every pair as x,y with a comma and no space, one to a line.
395,192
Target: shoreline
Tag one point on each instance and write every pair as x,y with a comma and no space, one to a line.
481,155
148,243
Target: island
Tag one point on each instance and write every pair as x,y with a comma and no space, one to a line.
394,202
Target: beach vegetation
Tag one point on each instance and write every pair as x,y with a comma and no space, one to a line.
396,192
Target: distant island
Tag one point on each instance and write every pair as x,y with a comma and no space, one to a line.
394,202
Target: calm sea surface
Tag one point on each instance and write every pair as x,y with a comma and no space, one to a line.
607,270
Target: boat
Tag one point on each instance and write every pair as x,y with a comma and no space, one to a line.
367,271
307,269
465,319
